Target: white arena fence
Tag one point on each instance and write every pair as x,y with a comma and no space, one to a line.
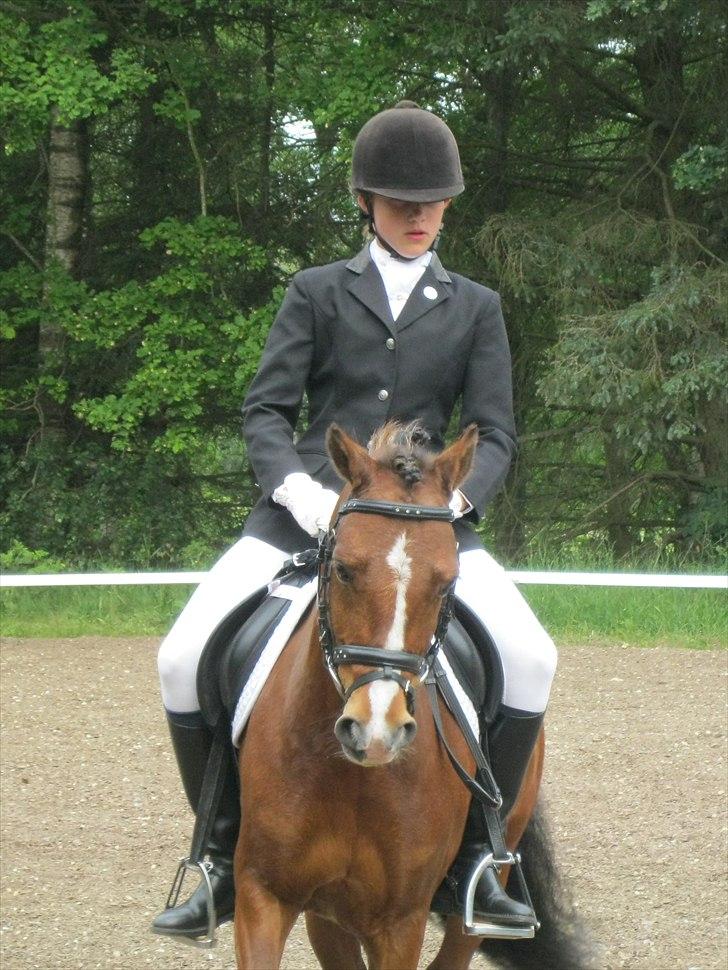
521,576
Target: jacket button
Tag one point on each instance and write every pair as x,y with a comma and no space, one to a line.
389,343
383,395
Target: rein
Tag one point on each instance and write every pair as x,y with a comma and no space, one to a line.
389,664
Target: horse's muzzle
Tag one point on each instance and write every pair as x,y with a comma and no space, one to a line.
372,744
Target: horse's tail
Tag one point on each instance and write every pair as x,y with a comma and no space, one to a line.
562,942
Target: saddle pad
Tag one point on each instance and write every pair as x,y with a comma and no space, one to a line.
300,598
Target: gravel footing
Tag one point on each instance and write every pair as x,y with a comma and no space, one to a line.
93,820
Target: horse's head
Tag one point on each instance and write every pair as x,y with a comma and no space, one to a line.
390,573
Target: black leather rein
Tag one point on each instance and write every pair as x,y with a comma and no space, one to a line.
388,664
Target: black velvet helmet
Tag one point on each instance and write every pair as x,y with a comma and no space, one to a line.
407,153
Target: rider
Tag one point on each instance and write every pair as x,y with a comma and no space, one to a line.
388,335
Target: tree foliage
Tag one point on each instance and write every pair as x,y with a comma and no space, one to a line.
209,143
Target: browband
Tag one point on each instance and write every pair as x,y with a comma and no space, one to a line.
399,510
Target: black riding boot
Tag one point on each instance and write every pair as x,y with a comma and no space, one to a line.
192,741
510,742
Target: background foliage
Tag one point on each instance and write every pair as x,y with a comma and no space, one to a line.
169,164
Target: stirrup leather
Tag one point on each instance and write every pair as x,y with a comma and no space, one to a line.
498,931
206,941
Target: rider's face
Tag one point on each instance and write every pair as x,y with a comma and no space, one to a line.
409,227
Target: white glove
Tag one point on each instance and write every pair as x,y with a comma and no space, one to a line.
459,504
309,504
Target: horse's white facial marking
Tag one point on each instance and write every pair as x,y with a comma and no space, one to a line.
382,692
381,695
401,565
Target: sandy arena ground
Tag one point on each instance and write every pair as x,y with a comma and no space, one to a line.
93,819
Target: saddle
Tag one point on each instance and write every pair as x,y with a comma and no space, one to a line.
237,644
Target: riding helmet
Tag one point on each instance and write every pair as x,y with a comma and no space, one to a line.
407,153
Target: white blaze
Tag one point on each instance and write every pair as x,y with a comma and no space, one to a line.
401,565
381,695
383,692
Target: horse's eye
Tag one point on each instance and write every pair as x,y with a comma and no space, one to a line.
343,574
447,588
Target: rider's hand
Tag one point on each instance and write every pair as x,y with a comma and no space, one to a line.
309,503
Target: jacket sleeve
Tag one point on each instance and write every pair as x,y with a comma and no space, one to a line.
273,401
487,401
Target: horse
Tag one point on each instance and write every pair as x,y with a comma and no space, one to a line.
351,810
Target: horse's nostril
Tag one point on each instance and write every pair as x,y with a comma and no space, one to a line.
348,731
408,731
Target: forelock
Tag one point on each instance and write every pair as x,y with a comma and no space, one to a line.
403,448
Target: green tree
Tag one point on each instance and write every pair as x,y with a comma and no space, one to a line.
168,165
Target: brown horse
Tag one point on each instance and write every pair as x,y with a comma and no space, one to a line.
351,811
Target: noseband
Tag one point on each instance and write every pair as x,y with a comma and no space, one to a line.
388,664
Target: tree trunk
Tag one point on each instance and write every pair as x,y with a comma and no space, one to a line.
67,186
619,473
659,63
499,87
509,530
267,125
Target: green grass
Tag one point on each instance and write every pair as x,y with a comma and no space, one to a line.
692,618
74,611
695,618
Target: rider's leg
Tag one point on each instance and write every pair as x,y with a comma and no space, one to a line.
192,741
243,569
239,572
528,658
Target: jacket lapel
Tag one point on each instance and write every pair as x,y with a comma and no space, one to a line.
367,286
432,289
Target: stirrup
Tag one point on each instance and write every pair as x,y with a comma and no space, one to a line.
204,942
497,931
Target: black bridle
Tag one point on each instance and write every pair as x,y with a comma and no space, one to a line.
388,664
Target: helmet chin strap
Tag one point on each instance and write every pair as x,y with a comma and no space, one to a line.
390,249
383,242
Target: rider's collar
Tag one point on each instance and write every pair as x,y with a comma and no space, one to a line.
383,255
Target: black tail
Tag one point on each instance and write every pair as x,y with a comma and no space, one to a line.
563,942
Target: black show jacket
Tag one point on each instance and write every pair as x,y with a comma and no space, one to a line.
335,340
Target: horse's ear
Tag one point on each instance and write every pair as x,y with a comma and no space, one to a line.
454,464
351,461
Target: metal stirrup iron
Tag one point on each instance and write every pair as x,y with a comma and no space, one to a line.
496,931
187,865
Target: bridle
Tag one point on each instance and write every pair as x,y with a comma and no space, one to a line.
388,664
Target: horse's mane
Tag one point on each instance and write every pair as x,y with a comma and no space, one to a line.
403,448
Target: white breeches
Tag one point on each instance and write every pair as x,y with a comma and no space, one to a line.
527,652
244,568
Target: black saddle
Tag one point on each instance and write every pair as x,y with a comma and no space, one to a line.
476,662
236,645
230,655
